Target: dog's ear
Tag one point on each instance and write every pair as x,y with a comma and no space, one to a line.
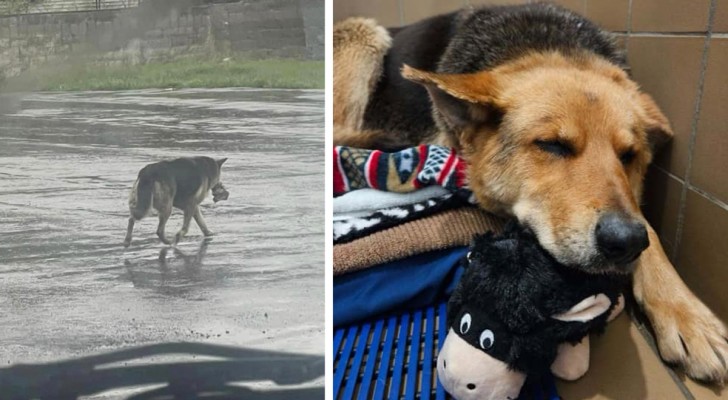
221,161
656,124
462,100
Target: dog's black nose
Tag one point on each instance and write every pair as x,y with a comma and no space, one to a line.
620,238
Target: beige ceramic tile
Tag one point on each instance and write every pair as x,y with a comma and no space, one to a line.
670,15
703,252
610,15
710,155
415,10
668,68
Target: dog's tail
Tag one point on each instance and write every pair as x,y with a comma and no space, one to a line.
141,196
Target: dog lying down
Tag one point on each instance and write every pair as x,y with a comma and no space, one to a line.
539,101
182,183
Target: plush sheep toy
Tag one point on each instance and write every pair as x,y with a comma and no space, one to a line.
514,310
219,192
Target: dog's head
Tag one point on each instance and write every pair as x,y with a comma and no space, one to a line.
561,143
218,169
219,192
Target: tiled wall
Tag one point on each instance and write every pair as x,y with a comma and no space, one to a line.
678,51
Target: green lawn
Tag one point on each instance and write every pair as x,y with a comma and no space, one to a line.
185,73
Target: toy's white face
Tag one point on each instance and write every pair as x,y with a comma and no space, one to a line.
468,373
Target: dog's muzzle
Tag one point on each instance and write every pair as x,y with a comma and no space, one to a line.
620,238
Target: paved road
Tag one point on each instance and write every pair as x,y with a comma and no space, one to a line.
69,289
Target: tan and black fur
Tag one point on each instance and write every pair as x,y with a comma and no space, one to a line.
540,103
182,183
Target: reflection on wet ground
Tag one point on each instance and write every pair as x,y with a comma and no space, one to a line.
67,161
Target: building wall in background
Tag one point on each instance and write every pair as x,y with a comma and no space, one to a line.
163,29
47,6
678,52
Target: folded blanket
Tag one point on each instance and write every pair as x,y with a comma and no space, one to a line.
404,171
348,227
440,231
413,282
368,201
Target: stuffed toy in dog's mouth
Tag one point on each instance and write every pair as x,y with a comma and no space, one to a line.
219,192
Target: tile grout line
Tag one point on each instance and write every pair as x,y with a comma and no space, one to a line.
704,193
629,30
693,135
674,34
668,173
709,196
652,343
400,12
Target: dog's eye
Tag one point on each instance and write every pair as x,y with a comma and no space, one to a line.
465,323
627,156
556,147
487,339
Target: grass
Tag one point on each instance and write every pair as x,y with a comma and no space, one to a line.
184,73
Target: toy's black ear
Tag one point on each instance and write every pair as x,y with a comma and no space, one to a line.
221,161
586,310
455,303
503,254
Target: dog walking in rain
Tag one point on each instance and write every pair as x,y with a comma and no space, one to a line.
182,183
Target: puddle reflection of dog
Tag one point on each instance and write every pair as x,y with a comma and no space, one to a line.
143,274
192,263
182,183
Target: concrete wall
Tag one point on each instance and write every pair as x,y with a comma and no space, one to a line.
46,6
163,29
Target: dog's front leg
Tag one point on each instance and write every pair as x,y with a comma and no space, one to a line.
164,213
201,222
129,229
185,225
688,333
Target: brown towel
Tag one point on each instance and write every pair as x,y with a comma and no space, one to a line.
444,230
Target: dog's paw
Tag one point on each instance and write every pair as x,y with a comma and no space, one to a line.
127,243
691,336
208,233
180,235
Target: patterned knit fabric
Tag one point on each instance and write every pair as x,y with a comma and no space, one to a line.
404,171
352,228
443,230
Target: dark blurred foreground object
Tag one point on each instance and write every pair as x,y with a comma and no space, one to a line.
209,379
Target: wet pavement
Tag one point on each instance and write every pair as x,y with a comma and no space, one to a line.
68,288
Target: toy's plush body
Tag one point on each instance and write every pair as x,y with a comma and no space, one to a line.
513,308
219,192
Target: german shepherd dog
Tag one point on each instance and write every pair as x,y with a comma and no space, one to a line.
182,183
539,101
